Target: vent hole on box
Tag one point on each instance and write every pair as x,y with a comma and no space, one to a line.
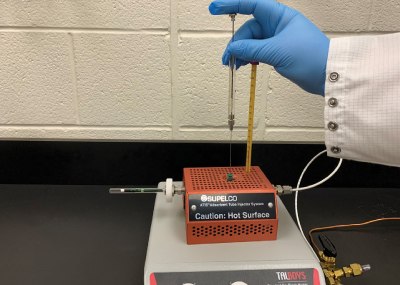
216,178
236,230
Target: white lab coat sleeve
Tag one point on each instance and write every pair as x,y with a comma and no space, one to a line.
362,99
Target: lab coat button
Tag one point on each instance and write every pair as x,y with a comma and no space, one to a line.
336,149
332,126
332,102
333,77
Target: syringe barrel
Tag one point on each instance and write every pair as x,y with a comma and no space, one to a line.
232,90
232,80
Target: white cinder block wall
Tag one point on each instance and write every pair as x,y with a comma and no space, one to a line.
151,70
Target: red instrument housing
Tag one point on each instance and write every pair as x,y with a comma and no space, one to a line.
213,181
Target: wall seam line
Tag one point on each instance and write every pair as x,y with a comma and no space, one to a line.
160,31
83,127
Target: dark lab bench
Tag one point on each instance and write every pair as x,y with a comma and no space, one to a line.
81,235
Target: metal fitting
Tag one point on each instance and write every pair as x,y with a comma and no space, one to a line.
283,189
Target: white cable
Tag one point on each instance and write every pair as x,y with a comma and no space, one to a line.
320,182
297,189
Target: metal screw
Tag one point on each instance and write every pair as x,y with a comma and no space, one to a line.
193,207
270,205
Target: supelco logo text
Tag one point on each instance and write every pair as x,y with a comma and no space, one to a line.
218,198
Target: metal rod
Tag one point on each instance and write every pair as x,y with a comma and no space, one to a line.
134,190
251,115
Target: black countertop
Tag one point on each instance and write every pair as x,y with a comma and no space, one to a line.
82,235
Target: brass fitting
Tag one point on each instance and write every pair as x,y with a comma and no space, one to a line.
333,276
356,268
326,261
330,277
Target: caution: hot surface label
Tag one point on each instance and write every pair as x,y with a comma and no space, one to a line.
232,207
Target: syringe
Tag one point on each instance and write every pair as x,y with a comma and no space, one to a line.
231,98
232,75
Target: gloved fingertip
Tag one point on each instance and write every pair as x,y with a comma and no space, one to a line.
225,58
213,8
233,47
240,63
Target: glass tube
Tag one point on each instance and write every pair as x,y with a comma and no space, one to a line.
232,89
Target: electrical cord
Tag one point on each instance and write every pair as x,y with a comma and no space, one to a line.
282,190
320,229
312,245
288,190
297,189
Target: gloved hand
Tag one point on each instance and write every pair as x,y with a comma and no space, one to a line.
279,36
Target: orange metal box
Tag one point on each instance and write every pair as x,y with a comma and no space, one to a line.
220,210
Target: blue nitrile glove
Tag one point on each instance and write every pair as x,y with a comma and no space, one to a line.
279,36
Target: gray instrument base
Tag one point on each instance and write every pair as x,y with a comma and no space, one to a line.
168,252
